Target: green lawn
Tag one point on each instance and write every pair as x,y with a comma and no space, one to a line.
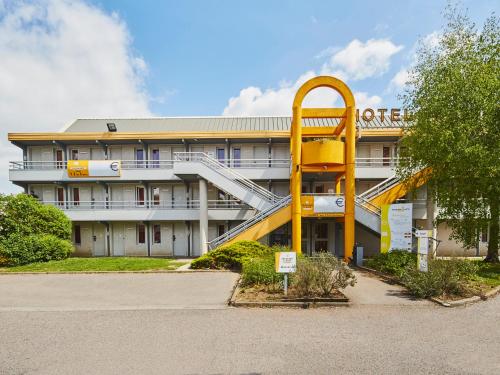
98,264
489,273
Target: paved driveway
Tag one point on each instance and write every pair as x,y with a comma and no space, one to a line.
138,291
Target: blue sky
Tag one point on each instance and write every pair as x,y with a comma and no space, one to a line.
67,59
201,53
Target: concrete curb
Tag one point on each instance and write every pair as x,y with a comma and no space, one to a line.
467,301
439,301
107,272
269,304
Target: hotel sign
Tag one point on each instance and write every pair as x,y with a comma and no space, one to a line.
93,168
392,115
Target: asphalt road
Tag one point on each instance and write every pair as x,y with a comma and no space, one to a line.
362,339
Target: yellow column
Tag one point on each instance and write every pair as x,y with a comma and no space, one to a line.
337,183
296,179
350,143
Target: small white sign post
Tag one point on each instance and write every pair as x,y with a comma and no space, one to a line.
423,249
285,262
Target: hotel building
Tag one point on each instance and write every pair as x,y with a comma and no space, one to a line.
181,186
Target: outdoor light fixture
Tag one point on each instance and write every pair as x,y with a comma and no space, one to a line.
111,126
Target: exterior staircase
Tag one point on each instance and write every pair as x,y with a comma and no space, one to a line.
189,165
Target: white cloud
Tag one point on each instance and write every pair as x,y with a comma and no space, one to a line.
356,61
400,79
363,100
62,60
360,60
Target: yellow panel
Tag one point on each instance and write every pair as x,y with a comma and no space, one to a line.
399,190
319,153
318,131
78,168
323,112
265,226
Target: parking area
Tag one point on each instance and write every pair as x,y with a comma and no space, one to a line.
115,291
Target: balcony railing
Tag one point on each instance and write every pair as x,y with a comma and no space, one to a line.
151,204
377,162
168,164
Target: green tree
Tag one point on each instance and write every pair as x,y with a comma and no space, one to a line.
32,232
453,93
24,215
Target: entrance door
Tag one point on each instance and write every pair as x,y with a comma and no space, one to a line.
386,154
321,237
180,239
118,239
221,155
98,240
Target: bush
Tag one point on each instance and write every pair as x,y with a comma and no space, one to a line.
232,256
260,271
321,275
445,277
393,263
24,215
19,249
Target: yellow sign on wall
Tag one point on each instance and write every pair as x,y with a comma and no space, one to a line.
93,168
78,168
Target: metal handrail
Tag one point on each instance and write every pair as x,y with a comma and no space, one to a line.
255,163
250,222
150,204
380,187
233,175
161,164
377,162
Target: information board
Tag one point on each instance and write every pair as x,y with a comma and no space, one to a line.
395,227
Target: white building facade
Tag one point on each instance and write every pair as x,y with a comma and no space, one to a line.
182,183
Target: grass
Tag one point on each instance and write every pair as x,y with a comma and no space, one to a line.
98,264
488,274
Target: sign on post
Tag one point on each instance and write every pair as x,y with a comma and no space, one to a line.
396,225
285,262
423,249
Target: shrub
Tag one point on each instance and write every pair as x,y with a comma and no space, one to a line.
321,275
394,262
260,271
305,277
24,215
332,273
232,256
445,277
20,249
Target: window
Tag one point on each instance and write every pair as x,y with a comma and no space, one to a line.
386,155
139,157
141,233
78,235
236,157
155,154
221,229
60,196
59,159
156,196
74,154
484,235
76,196
319,189
139,196
322,230
157,233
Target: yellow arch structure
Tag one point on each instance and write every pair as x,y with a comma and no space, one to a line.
347,124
